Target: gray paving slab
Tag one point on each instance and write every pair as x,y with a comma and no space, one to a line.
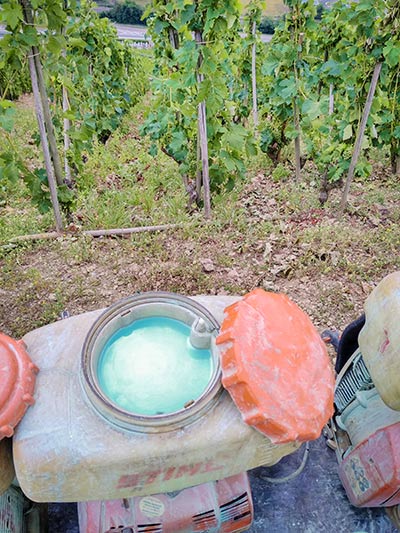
313,502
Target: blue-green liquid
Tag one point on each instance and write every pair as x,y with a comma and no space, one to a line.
150,367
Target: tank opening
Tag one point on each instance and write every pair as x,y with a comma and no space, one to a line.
155,366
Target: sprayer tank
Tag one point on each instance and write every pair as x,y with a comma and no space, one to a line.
65,450
81,440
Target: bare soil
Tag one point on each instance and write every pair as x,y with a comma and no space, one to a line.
282,241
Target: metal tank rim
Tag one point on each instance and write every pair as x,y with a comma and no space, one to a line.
156,303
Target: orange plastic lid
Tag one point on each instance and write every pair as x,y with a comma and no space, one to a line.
17,379
276,368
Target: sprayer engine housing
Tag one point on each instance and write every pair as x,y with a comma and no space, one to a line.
223,506
367,435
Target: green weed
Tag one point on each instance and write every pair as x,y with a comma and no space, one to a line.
280,173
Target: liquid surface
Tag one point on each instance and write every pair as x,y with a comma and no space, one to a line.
151,368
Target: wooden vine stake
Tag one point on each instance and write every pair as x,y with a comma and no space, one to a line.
296,112
199,175
115,232
324,191
42,109
254,74
202,120
45,145
52,143
297,152
360,136
66,121
55,156
331,99
67,140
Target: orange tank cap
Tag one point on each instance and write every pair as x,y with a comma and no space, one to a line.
276,367
17,379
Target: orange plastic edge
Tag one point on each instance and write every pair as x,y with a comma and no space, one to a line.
276,367
18,377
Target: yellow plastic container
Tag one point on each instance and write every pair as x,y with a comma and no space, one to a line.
379,339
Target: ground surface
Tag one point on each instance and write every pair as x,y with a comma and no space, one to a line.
270,232
274,236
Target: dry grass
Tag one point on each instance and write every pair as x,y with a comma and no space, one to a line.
268,233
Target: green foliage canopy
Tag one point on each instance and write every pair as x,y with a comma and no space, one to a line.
188,72
337,55
81,54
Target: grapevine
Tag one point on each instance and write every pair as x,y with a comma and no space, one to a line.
188,73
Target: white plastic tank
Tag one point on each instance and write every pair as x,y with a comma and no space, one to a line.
81,440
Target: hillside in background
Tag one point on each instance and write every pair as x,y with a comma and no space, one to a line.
273,8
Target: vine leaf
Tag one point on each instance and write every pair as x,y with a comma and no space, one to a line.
347,132
11,14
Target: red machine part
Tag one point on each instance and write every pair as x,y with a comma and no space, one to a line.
276,368
223,506
371,472
17,378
